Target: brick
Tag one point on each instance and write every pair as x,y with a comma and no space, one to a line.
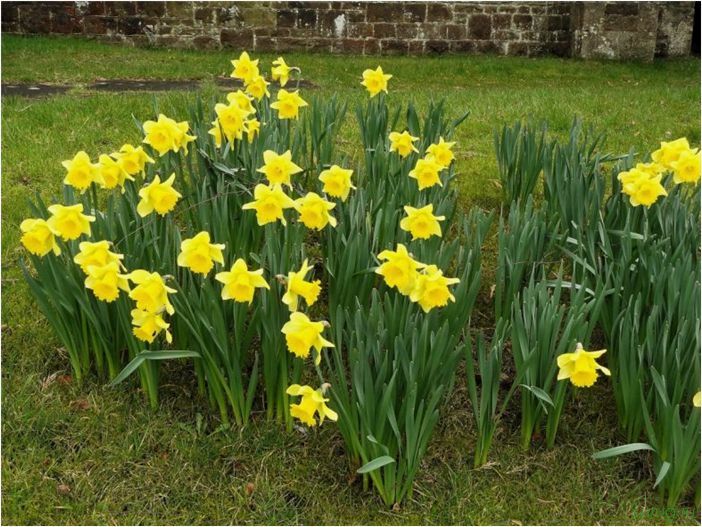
328,25
349,45
557,22
96,8
205,42
120,8
414,12
361,29
479,27
408,31
286,44
205,15
394,47
306,18
416,47
455,31
522,21
371,46
622,8
438,12
383,30
259,17
519,49
130,25
99,25
264,43
236,38
559,49
487,46
382,12
429,31
150,8
462,46
286,18
179,9
436,46
33,20
65,23
319,45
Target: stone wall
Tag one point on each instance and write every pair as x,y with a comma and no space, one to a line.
606,29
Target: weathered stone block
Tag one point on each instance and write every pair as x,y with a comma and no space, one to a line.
99,25
179,9
286,18
150,8
479,26
416,47
384,30
436,47
236,38
319,45
65,23
382,12
205,42
394,47
361,29
409,31
622,8
371,46
522,22
455,31
306,18
259,17
130,25
286,44
502,21
264,43
414,12
332,23
437,12
120,8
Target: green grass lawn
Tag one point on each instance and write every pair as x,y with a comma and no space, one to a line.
92,454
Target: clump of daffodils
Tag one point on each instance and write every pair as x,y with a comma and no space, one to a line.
643,183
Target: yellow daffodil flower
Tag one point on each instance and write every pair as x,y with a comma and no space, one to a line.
431,289
199,255
242,100
337,181
375,81
252,128
269,204
288,104
669,152
111,173
96,254
580,367
314,211
402,143
105,281
421,223
38,237
151,292
686,169
298,287
399,269
301,334
312,402
278,167
240,283
158,196
166,135
641,188
147,325
280,71
257,87
216,133
426,172
69,221
245,69
132,160
441,152
697,400
230,118
80,172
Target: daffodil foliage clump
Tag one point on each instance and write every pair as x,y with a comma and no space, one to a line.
238,237
608,257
